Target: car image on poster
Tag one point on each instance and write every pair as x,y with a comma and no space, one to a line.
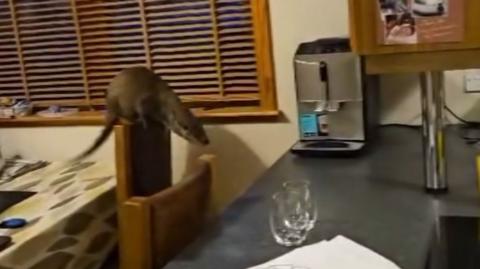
430,7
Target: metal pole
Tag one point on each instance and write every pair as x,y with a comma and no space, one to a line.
433,102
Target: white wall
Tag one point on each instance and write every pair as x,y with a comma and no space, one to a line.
246,150
401,98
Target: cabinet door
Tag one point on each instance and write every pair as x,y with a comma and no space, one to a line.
365,20
365,23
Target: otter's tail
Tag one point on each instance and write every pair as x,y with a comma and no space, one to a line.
107,130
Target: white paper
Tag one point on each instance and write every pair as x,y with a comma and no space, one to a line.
339,253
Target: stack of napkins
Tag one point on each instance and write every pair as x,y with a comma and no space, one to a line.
338,253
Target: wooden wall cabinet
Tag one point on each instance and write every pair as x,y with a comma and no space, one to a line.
363,16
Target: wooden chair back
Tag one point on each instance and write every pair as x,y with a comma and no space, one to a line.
179,213
157,220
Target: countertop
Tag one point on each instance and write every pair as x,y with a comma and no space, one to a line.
376,199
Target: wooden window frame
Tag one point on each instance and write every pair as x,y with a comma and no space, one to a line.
267,109
264,51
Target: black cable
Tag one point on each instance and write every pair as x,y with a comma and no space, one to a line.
469,132
455,115
466,122
400,125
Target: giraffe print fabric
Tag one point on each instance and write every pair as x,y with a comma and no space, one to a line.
71,218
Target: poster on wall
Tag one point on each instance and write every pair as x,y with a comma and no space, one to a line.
420,21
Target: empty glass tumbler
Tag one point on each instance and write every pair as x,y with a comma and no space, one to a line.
303,188
289,220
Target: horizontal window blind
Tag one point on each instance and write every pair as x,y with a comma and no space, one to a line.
67,51
11,79
111,38
182,45
49,49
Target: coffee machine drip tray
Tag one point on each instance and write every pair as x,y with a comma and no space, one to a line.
327,146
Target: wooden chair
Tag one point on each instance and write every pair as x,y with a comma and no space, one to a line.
179,214
154,227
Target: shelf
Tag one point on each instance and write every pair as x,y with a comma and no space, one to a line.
96,118
80,119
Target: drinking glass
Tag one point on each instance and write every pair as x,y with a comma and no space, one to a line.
303,188
289,218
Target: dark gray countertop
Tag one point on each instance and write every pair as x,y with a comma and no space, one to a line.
376,199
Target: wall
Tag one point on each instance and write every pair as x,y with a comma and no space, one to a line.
245,150
401,98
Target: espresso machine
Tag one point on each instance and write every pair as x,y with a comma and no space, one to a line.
337,102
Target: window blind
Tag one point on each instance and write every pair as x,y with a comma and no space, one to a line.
111,39
10,65
49,51
67,51
182,45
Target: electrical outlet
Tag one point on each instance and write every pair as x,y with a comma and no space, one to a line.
472,81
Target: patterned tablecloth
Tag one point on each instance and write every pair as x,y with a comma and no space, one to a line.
71,219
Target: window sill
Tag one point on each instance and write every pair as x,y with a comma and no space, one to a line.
237,114
224,115
80,119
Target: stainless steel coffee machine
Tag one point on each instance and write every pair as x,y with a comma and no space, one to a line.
337,102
